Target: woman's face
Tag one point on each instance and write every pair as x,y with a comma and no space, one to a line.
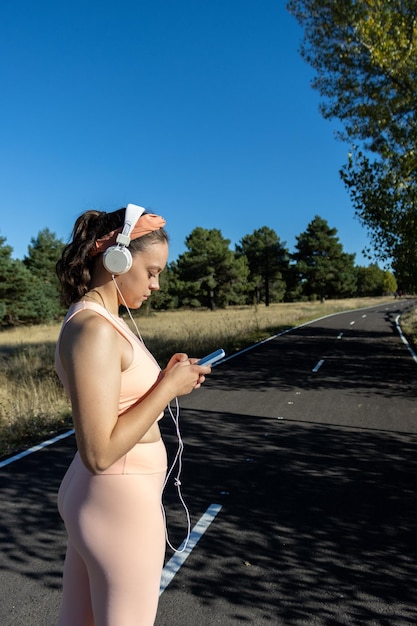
143,277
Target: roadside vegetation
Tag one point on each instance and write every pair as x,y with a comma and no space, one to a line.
409,326
33,405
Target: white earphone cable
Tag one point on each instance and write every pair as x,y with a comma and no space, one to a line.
127,308
177,481
178,457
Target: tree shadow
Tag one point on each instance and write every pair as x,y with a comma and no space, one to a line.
32,536
318,523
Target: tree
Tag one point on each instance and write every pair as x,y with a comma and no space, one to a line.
390,283
6,283
365,57
18,289
268,262
27,297
374,281
43,254
323,269
210,273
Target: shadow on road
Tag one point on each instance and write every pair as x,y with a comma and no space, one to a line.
32,535
318,524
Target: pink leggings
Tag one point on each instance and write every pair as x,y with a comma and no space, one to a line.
116,540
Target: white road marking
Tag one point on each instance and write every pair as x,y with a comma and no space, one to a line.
40,446
178,559
318,366
404,339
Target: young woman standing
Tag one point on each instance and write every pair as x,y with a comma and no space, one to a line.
110,497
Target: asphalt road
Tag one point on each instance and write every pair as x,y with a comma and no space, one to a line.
308,443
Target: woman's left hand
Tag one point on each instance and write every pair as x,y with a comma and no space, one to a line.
182,356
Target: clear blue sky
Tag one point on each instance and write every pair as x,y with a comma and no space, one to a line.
199,110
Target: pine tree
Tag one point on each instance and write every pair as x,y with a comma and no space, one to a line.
268,261
323,269
43,254
210,273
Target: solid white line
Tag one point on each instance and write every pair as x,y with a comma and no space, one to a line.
44,444
318,366
404,339
178,559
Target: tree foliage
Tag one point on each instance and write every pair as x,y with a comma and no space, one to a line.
211,274
43,253
322,268
365,57
268,261
29,288
373,281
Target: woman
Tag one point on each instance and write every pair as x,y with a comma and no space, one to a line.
110,497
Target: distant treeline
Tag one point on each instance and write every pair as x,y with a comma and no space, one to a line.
209,274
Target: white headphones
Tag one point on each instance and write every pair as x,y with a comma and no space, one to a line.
117,259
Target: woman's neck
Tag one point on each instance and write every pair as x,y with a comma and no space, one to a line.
105,297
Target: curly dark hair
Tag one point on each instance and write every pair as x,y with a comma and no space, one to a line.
74,268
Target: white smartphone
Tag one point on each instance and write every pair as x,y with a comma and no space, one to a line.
212,358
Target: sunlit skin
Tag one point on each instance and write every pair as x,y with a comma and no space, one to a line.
142,279
94,354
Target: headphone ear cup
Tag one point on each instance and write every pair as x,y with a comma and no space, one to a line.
117,260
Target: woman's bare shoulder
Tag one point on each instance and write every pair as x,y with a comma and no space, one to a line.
88,327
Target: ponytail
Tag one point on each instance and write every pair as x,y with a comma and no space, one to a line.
75,266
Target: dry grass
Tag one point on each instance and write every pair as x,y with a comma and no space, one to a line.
33,404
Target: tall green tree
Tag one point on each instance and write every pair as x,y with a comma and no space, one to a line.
268,261
209,271
365,58
43,254
323,269
6,279
21,300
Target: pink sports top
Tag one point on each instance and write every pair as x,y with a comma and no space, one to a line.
138,378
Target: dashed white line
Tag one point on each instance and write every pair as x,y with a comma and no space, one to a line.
318,366
178,559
